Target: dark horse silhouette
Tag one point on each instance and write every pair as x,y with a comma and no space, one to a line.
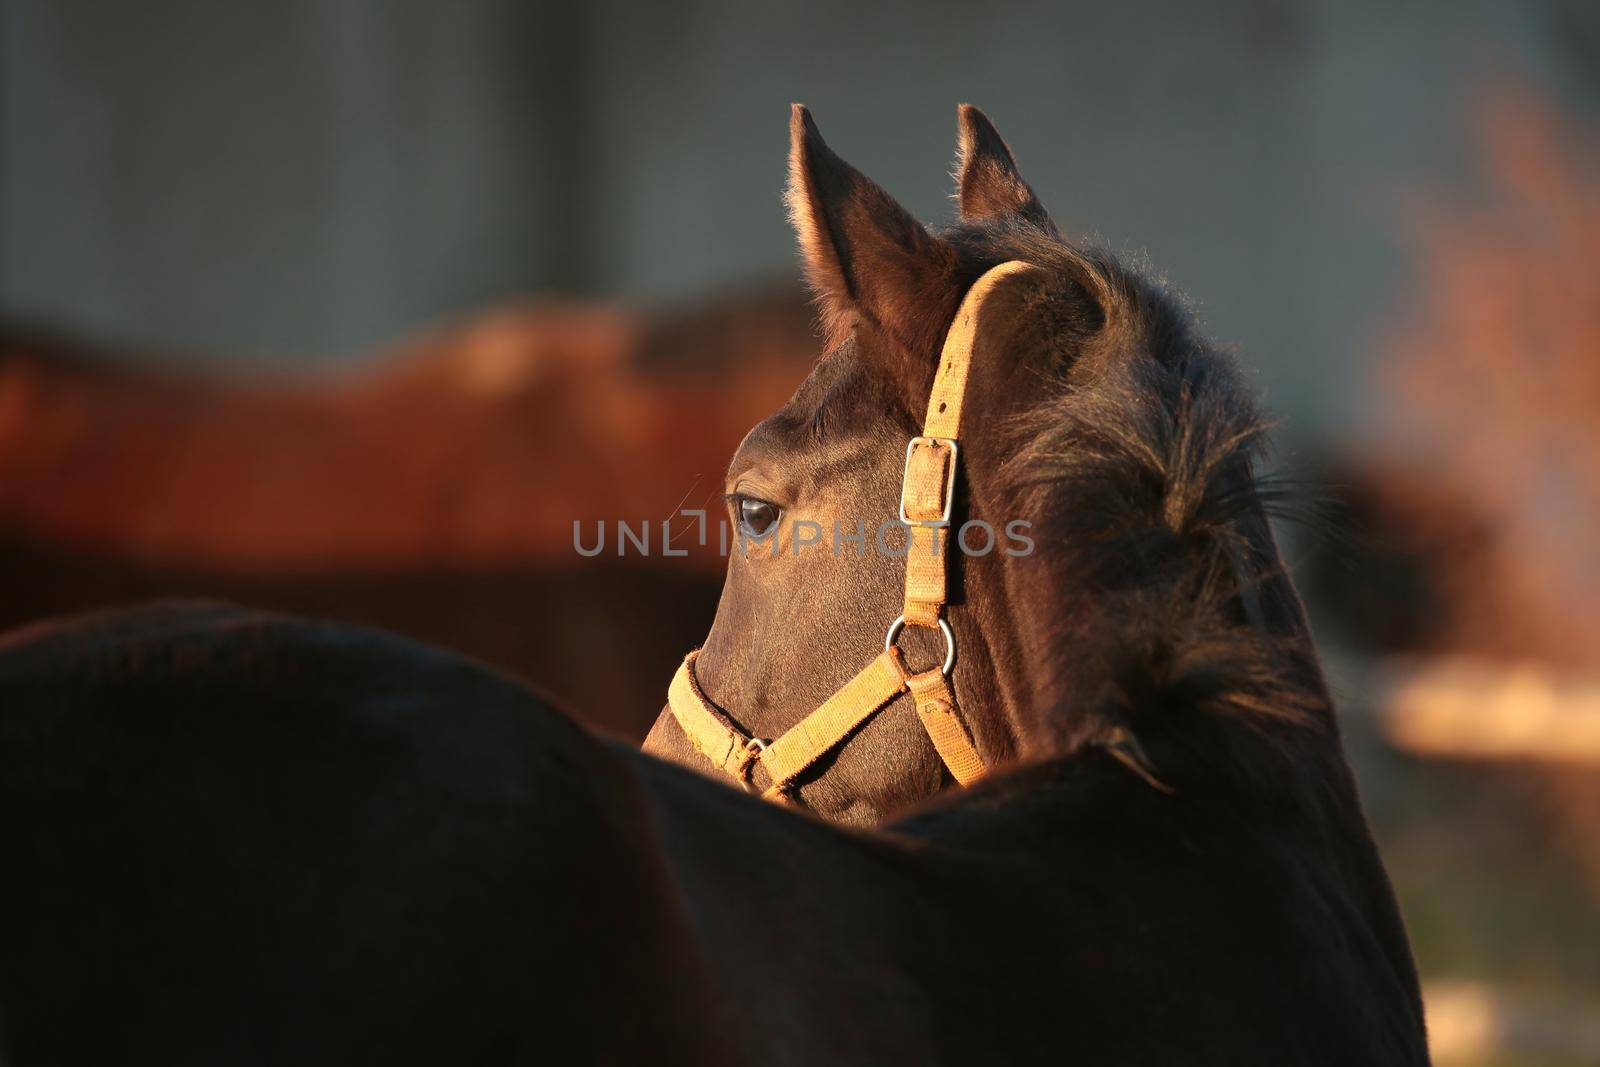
231,837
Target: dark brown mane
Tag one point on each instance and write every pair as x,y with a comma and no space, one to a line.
1139,464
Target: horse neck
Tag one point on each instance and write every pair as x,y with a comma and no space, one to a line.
1037,614
1069,667
1037,628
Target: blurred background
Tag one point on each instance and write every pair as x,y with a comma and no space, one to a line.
351,308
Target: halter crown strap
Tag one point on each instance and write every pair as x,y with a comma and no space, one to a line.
926,500
930,478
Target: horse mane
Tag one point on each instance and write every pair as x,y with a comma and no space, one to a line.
1139,463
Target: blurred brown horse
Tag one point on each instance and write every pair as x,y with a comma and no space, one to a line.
256,840
430,489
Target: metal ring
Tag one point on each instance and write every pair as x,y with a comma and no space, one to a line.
944,628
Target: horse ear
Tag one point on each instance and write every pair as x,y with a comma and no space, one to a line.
988,185
866,258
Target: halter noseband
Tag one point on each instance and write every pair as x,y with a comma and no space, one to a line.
927,490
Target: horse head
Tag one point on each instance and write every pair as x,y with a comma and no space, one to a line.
1081,391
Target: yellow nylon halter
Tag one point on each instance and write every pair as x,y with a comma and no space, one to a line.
925,502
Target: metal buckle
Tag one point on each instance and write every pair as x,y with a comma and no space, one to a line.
949,481
944,628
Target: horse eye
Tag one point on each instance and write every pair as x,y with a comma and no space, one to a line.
756,517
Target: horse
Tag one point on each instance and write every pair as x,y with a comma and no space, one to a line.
246,837
430,489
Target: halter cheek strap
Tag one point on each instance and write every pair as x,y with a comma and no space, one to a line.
926,496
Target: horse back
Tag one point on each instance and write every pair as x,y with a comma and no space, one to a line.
238,836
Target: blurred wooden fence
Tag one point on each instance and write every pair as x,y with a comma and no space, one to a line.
1466,708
